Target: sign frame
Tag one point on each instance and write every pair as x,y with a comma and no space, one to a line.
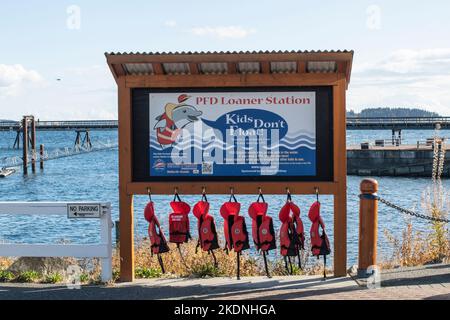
335,73
324,135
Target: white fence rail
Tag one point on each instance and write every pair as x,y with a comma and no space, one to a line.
103,250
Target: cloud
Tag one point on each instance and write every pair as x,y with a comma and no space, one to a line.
170,23
84,92
404,78
223,32
13,78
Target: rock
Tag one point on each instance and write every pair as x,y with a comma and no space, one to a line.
43,266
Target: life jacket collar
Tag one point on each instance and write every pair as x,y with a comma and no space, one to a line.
180,207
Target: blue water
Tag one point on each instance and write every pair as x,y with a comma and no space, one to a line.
94,177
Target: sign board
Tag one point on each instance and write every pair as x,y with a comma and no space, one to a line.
233,134
84,210
224,135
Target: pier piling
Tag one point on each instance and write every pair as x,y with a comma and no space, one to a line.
25,145
368,226
41,153
33,145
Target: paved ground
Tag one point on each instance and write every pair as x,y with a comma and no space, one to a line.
432,282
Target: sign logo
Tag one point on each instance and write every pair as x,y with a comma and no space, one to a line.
159,165
176,116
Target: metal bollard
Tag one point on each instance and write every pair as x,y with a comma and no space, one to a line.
368,226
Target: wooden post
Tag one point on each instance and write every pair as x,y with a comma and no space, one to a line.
368,226
25,145
340,178
117,227
125,199
33,145
41,152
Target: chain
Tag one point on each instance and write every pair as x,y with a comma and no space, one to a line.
409,212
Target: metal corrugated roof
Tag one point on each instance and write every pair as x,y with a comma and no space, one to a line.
283,67
176,68
213,68
321,66
249,67
229,52
139,68
229,62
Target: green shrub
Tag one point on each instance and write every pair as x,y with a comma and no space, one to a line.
28,277
84,278
53,278
205,270
147,273
116,275
6,276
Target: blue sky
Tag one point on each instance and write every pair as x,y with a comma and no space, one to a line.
402,48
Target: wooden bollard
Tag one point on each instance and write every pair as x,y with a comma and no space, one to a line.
368,227
25,145
33,145
117,226
41,153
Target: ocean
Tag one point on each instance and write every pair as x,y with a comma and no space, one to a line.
94,177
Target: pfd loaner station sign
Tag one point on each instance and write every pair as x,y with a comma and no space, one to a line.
233,134
84,210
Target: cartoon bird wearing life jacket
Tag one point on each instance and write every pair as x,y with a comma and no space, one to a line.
174,119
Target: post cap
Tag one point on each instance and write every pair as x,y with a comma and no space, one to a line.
369,186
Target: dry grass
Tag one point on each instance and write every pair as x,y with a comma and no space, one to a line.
197,264
433,246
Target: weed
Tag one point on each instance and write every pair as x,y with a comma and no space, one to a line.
28,277
53,278
6,276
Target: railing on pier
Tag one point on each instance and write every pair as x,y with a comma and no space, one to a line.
63,125
397,123
17,161
355,123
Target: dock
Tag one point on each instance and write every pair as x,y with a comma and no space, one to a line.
401,160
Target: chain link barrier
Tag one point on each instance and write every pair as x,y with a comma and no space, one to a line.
403,210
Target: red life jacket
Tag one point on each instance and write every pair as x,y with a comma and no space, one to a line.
157,239
179,222
169,133
207,234
292,235
320,245
234,226
262,227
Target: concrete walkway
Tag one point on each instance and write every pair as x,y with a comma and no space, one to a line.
432,282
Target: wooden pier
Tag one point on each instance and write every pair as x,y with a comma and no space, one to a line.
62,125
398,123
380,123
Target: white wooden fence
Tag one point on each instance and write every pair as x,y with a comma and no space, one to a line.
103,250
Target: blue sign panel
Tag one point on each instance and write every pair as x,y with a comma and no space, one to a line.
232,134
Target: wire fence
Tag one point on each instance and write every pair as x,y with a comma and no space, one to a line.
17,161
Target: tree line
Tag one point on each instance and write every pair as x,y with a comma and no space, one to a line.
391,112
